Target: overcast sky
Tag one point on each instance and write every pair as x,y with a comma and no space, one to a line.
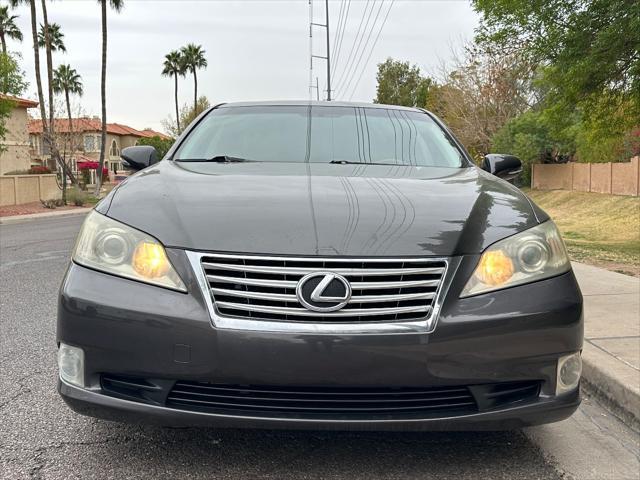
256,49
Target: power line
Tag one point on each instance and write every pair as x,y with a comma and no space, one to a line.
366,6
336,57
348,71
337,32
364,48
375,42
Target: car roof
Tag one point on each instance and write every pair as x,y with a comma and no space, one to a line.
318,104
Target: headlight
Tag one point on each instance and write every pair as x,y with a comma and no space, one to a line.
528,256
107,245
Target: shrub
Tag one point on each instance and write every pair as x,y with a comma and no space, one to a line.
86,176
76,196
52,203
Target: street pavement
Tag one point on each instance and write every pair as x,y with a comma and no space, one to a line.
41,438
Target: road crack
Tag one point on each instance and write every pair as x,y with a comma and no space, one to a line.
22,389
42,453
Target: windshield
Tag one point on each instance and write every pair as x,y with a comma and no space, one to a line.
320,134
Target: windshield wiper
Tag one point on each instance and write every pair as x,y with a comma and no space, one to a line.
216,159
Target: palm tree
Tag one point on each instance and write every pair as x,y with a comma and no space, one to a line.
117,6
36,57
56,36
193,60
66,80
173,66
48,45
8,28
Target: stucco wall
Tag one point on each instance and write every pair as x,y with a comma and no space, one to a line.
19,189
600,178
616,178
581,176
16,143
623,176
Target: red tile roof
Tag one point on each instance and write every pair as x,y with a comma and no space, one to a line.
85,124
22,102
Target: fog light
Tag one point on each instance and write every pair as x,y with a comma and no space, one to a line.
569,371
71,364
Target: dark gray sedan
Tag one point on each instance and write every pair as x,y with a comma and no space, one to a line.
320,265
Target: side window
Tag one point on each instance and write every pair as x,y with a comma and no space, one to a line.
89,143
114,151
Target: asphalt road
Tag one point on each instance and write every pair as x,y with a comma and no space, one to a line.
41,438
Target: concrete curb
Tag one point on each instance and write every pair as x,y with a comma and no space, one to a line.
617,385
37,216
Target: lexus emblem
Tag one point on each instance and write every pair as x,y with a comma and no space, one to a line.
323,291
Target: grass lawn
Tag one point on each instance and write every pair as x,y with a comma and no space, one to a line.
599,229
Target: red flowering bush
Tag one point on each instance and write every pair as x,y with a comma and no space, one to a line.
86,166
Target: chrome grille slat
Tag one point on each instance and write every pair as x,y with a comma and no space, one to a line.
346,312
252,281
292,298
342,271
263,288
354,285
402,284
283,297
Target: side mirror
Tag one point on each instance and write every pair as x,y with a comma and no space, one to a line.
139,156
506,167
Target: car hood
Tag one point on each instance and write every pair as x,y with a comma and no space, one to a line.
320,209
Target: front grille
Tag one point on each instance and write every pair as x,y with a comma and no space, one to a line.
301,401
264,288
325,402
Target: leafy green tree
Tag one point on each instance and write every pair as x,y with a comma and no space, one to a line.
13,83
478,92
116,5
12,78
56,38
604,127
588,67
187,115
162,145
534,137
8,28
172,67
400,83
591,44
194,59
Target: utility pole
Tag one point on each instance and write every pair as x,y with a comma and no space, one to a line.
326,11
328,56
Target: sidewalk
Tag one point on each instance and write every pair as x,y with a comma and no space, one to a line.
52,213
611,354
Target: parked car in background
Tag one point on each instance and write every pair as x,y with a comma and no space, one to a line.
320,265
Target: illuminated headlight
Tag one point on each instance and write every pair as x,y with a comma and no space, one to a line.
528,256
569,371
71,364
110,246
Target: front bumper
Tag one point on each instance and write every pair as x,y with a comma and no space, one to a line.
94,404
132,329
